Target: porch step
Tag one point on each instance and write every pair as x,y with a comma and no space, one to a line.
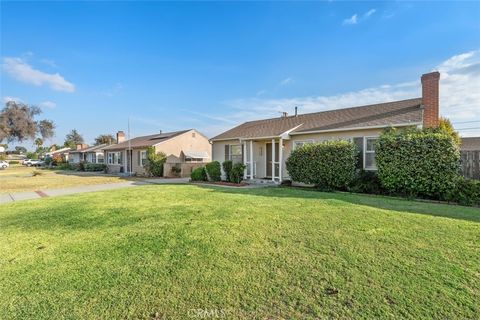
262,182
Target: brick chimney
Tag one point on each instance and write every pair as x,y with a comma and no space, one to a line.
81,146
430,101
120,136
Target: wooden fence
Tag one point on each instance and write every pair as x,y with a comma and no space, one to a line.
470,164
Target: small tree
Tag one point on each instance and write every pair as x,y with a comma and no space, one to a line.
20,149
105,138
155,161
72,139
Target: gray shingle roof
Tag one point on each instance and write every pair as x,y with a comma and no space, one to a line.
382,114
145,141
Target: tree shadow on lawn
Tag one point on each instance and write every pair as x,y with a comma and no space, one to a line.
380,202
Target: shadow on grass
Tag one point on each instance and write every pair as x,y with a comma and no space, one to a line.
381,202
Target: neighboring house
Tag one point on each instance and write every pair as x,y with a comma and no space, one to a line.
84,153
63,152
470,157
264,145
181,147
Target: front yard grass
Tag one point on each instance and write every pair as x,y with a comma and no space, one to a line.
190,251
18,178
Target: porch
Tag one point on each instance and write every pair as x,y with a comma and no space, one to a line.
264,160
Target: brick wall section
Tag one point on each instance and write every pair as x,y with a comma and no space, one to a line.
430,99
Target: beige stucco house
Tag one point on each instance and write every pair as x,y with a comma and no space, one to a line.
264,145
181,147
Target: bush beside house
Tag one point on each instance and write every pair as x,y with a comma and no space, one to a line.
155,161
418,162
328,165
236,174
199,174
227,168
213,171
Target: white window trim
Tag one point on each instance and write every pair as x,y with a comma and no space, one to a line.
365,153
230,151
307,141
114,157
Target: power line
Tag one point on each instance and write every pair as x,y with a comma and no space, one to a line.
466,121
473,128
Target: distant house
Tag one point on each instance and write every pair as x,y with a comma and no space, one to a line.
63,153
181,147
264,145
84,153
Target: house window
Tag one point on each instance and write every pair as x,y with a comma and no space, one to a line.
369,147
189,159
301,143
100,158
114,158
236,153
94,158
143,158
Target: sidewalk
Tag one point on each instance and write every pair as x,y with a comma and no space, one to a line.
28,195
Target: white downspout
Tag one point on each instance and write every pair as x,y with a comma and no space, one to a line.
251,159
280,159
273,160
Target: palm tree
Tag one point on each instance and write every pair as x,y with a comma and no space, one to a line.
38,142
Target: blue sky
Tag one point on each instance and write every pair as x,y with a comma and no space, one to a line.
210,66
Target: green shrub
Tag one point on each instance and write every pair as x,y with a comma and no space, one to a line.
32,155
94,166
466,192
199,174
213,171
236,174
227,168
329,164
418,162
367,182
155,161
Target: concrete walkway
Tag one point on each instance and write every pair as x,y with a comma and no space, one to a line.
28,195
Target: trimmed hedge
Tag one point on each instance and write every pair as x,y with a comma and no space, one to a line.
199,174
418,163
94,167
236,174
329,164
213,171
227,168
466,192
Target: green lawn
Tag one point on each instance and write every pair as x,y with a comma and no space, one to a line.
173,251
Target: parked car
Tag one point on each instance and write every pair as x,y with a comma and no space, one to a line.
33,163
4,164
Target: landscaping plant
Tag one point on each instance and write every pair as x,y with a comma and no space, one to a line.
227,168
418,162
329,164
236,174
155,161
214,172
199,174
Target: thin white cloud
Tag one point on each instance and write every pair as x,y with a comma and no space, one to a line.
459,96
352,20
369,13
20,70
286,81
47,104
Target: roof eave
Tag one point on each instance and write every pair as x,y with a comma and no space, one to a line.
359,128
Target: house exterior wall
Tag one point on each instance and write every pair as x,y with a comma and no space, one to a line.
75,157
259,147
188,141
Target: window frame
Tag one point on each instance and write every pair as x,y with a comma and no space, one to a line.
113,158
231,155
306,141
365,151
143,160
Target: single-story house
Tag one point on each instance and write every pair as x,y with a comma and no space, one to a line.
264,145
63,152
84,153
470,157
181,147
